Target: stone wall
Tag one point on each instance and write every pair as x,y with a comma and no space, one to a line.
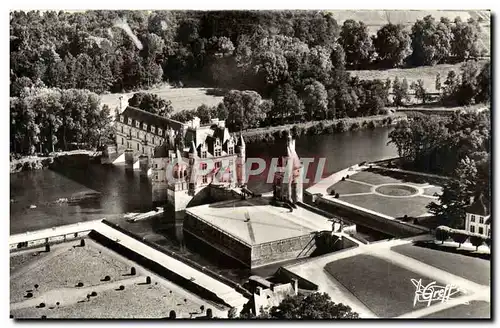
285,249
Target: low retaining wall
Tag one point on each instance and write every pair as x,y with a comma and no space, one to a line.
56,239
287,275
370,219
184,260
156,267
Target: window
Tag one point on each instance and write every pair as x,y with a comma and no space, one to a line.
473,218
156,165
122,119
217,152
481,219
472,229
481,230
217,165
129,121
137,124
203,166
122,128
204,154
137,146
123,140
153,129
145,126
230,150
204,179
489,232
160,131
156,176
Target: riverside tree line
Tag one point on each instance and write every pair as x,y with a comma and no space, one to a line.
281,66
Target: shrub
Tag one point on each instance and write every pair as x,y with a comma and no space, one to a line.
47,248
93,294
121,287
209,313
29,295
347,176
459,237
365,123
107,278
80,284
341,126
389,120
296,131
172,315
337,195
321,128
202,308
82,242
343,178
132,271
44,317
476,240
332,192
488,242
41,305
36,286
330,129
313,130
148,280
371,125
354,126
442,233
232,313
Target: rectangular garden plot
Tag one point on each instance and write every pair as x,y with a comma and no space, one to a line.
385,288
468,267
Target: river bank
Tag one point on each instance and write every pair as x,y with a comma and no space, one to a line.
269,134
31,163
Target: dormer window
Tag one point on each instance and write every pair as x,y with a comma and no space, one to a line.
217,142
145,126
153,129
129,121
137,124
203,154
122,119
473,218
481,220
217,152
230,150
160,131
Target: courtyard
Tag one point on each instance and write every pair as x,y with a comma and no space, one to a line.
91,281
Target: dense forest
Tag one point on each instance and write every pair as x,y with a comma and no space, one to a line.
281,66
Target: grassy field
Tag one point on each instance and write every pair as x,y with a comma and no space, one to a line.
475,309
181,98
385,288
474,269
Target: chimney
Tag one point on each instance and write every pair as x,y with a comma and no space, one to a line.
295,284
258,291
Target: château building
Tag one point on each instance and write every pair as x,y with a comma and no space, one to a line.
477,217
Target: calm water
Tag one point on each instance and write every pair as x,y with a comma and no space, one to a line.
96,191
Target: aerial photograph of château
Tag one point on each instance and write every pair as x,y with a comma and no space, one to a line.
250,164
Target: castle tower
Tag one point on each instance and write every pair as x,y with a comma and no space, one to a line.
193,172
288,179
240,162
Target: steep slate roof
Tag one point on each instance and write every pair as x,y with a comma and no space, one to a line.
151,119
479,207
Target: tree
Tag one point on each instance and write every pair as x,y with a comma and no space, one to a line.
466,41
476,240
356,42
315,100
313,306
442,233
419,90
244,109
459,237
392,44
286,103
438,82
152,103
430,41
484,84
400,91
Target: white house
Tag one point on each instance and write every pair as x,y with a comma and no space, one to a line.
477,217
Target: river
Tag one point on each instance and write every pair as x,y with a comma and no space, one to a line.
97,191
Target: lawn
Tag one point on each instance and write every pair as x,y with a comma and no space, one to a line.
181,98
474,269
349,187
385,288
475,309
432,190
373,178
395,207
